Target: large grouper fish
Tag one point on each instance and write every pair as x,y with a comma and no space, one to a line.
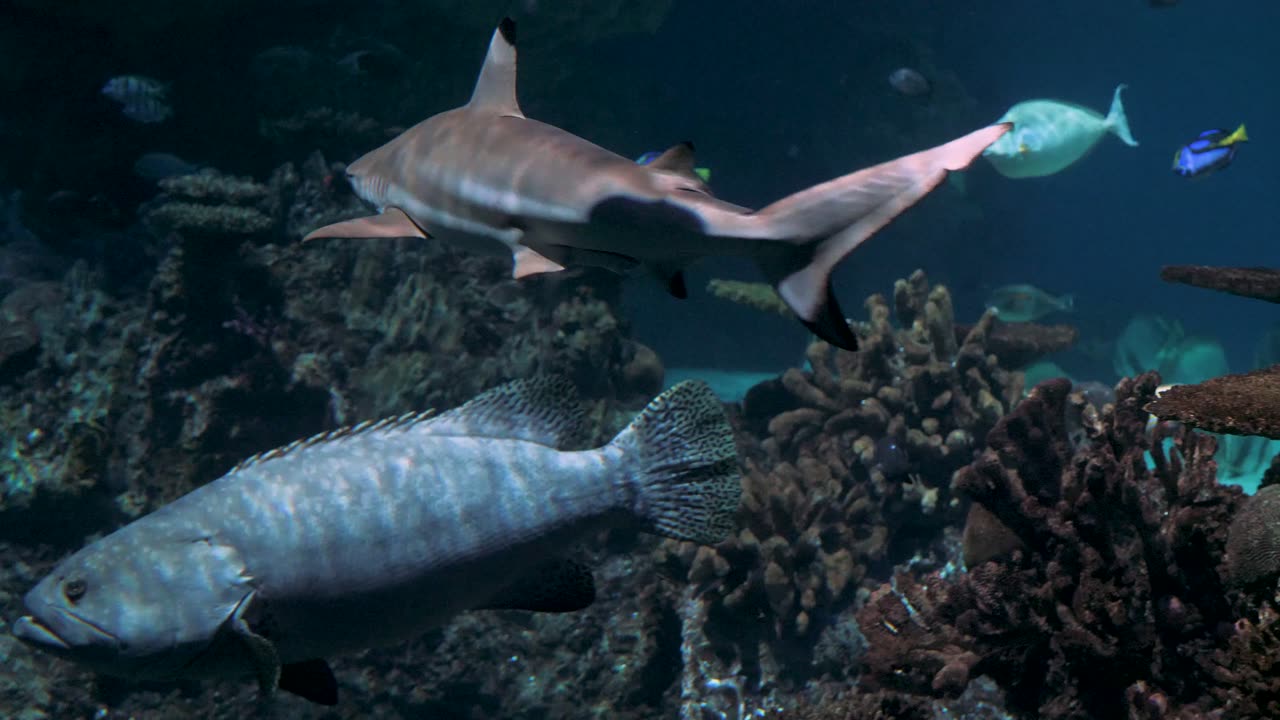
368,535
487,178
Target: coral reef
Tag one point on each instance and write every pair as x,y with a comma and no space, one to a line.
1244,404
1253,540
1113,602
826,503
1259,283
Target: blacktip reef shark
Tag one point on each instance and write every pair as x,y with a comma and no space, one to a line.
485,175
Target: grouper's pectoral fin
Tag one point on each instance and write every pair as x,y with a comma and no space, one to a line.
555,586
262,654
528,261
310,680
390,223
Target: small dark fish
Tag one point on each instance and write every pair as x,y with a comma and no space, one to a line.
141,98
891,457
377,60
909,82
157,166
1211,150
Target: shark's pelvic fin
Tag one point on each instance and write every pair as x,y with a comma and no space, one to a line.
529,262
391,223
671,275
495,90
828,221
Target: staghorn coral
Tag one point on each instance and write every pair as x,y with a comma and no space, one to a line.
1259,283
1244,404
1114,602
819,512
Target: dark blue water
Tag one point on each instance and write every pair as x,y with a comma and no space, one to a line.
751,84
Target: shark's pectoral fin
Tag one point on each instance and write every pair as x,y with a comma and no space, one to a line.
391,223
495,89
529,262
310,680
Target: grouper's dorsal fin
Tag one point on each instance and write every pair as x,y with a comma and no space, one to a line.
495,90
388,423
544,410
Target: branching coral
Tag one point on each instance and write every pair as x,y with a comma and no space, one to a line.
822,507
1116,589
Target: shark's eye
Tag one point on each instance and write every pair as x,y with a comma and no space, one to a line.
73,590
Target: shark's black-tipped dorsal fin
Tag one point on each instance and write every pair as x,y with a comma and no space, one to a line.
496,87
678,159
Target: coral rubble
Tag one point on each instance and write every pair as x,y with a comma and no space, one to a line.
1243,404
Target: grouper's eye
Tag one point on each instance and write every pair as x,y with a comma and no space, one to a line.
73,590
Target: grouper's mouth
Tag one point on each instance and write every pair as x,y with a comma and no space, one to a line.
31,631
64,634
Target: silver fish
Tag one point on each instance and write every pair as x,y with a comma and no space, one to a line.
485,176
1024,303
369,535
142,98
909,82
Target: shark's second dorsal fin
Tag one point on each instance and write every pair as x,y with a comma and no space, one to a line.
678,159
496,88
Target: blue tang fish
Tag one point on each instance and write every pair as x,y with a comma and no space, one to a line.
1211,150
649,157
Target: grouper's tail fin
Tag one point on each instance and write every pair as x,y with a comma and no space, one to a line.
823,224
683,480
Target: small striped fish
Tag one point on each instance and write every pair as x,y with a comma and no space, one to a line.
369,535
142,98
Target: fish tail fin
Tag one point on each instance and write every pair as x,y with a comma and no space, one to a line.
684,480
818,227
1238,136
1067,302
1117,121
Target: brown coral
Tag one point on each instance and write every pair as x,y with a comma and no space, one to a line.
1253,542
1244,404
1259,283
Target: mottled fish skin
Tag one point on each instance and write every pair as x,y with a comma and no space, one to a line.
488,178
368,536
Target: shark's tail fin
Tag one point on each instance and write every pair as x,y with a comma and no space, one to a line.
684,478
1117,121
823,224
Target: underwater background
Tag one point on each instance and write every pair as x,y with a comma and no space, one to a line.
161,321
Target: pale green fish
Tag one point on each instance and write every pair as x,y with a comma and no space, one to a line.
1024,303
367,536
1049,135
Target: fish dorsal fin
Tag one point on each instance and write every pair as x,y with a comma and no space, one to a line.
496,88
388,423
678,159
544,410
391,223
